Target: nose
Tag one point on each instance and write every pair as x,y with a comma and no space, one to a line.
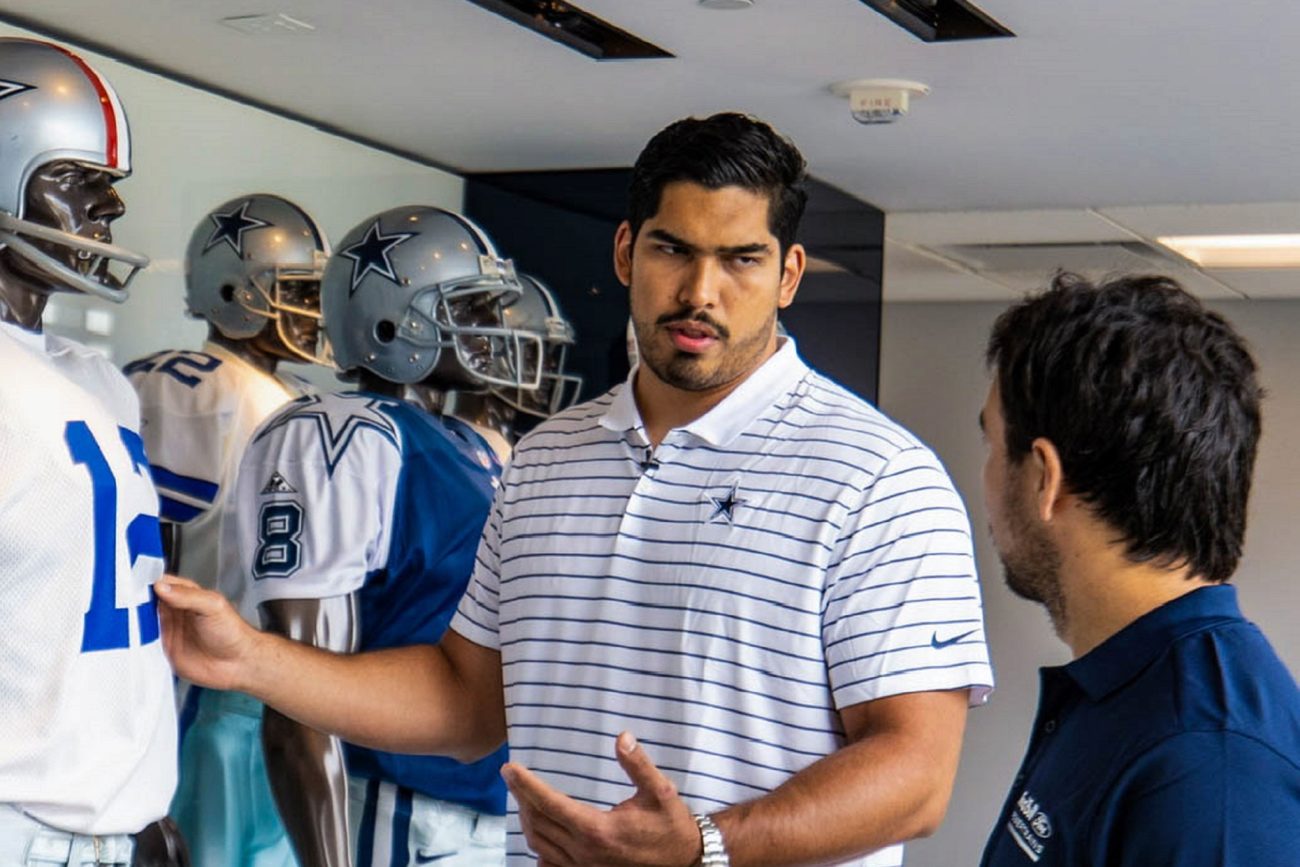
106,205
700,284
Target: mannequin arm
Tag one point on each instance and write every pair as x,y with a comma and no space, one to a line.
306,768
171,539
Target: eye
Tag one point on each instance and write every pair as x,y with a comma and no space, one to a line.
671,249
69,173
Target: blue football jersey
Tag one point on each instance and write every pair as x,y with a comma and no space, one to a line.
358,493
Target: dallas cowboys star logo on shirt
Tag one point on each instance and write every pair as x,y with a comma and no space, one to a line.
9,88
724,508
230,228
337,422
370,254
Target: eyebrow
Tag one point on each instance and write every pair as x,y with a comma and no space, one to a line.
735,250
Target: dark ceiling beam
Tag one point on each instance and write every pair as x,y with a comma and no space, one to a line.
574,28
940,20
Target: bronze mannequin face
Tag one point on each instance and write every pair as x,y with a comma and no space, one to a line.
273,343
73,198
76,198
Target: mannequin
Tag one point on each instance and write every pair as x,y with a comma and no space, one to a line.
367,536
66,144
252,272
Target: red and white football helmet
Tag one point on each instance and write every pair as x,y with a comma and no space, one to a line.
55,107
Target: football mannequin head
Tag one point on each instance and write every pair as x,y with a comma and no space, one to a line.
66,143
253,269
417,294
537,313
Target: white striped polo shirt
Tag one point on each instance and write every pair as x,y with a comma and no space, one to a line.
791,552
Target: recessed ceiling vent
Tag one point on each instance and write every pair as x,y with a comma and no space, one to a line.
1032,265
940,20
574,28
273,24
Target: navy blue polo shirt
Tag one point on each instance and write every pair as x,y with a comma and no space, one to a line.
1174,742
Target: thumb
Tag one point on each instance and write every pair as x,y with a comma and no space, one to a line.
647,778
183,594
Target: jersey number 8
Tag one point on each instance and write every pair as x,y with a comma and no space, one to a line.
279,554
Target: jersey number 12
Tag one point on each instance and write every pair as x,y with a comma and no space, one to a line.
108,627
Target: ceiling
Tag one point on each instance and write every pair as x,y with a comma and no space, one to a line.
1103,122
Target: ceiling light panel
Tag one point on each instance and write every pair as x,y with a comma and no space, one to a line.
1237,251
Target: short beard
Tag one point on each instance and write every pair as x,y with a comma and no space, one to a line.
1033,567
685,371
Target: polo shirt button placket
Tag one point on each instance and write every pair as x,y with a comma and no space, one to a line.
1049,726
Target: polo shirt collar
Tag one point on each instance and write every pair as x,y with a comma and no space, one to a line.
1124,655
735,413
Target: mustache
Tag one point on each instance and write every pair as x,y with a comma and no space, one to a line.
695,316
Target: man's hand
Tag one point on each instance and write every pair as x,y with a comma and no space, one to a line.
653,828
204,637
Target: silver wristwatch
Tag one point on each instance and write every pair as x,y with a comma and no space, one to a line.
715,850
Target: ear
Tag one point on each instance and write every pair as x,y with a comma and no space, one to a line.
623,253
1049,489
796,259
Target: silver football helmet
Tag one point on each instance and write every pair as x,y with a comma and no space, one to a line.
416,288
536,312
55,107
255,260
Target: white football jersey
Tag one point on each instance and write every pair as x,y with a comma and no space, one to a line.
87,725
198,410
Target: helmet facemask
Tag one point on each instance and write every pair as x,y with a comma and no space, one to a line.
290,297
465,316
544,337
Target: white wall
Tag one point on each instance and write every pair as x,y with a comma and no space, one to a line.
933,380
191,151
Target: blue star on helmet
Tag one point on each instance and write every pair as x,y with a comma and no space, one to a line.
231,227
9,88
370,255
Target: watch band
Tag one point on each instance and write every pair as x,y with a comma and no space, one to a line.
715,848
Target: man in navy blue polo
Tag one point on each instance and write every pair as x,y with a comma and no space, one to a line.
1122,425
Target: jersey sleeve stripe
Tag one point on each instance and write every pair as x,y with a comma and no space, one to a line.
189,486
177,512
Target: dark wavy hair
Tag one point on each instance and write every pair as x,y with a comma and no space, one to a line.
723,150
1153,404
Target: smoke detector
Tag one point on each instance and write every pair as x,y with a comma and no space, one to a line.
879,100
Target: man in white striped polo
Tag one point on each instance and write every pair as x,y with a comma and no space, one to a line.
752,583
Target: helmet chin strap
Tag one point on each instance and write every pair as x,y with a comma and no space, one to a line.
12,229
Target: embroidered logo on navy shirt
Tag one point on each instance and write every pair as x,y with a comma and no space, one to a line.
1029,826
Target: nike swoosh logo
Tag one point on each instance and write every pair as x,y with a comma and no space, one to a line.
421,858
939,645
